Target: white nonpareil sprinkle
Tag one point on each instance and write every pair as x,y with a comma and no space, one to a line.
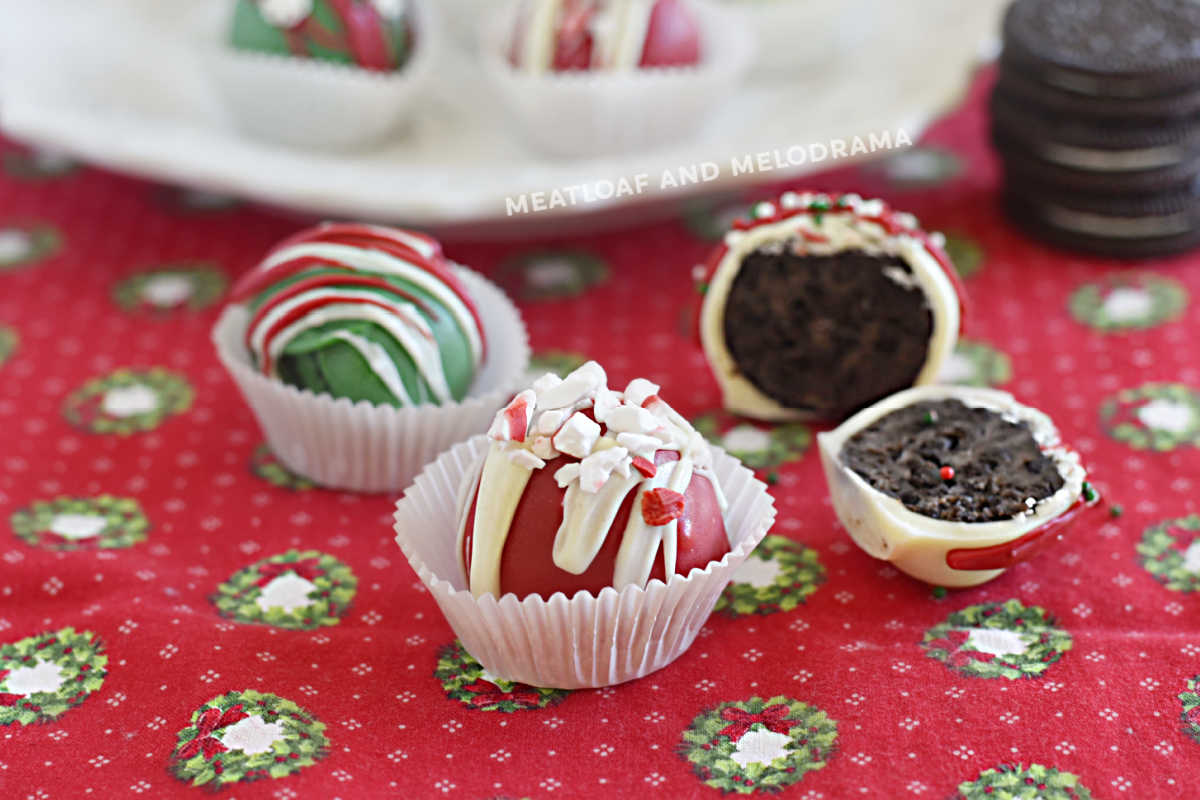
639,389
595,470
577,436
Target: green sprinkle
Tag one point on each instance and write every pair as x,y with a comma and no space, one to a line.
1089,494
939,592
702,287
819,205
772,478
842,201
818,218
929,418
1116,510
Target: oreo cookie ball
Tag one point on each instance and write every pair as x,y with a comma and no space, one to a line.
820,305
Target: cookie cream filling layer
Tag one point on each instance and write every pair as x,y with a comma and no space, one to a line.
615,448
858,226
1101,160
883,527
1114,227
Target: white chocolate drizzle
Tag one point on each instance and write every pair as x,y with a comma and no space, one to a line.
545,423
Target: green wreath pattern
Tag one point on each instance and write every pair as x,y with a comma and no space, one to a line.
200,758
1168,299
788,442
965,254
84,407
920,167
800,574
265,465
207,281
185,201
1190,698
1118,416
462,679
125,524
8,343
1015,782
35,166
560,362
1163,548
711,739
81,662
335,585
587,270
947,641
989,366
44,241
709,220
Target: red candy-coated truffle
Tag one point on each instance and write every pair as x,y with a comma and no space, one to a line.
585,488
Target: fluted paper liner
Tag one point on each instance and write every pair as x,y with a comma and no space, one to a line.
589,640
375,448
322,105
605,112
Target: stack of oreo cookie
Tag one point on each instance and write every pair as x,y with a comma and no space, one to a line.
1096,116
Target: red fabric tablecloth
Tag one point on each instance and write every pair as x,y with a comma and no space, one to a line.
142,519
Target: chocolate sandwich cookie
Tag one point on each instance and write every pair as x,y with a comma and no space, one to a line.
1107,49
1122,226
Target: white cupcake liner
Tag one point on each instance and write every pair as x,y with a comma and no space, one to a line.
320,105
595,113
369,448
589,640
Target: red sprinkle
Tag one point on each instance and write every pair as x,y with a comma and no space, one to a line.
660,506
645,466
947,473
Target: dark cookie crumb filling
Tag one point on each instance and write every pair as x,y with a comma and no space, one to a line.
826,333
996,463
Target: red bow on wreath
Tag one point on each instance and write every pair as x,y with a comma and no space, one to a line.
307,569
211,720
773,717
488,694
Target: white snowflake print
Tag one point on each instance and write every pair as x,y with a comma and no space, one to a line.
396,756
908,723
452,726
99,761
444,785
1122,784
362,669
1064,747
1009,718
1164,748
550,784
140,787
963,752
654,779
1109,714
501,756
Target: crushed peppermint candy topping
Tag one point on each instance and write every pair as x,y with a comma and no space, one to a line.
608,431
660,506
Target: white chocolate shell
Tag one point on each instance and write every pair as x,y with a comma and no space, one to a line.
916,544
853,230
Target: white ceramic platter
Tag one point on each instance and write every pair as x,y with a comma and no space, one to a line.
122,83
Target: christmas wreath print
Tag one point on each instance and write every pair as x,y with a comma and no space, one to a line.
265,465
8,343
1128,301
74,523
1015,782
560,362
1154,416
919,167
186,201
757,744
464,679
998,640
20,245
247,736
43,676
299,589
194,286
756,446
36,165
553,274
976,364
128,401
778,576
965,254
1190,715
1170,551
